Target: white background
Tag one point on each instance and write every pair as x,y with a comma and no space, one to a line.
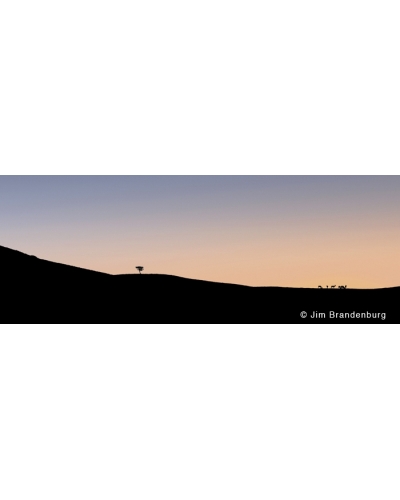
193,412
199,412
199,87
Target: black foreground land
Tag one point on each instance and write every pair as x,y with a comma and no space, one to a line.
36,291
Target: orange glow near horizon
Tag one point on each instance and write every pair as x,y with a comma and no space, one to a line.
265,231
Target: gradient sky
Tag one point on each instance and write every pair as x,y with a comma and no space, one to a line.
300,231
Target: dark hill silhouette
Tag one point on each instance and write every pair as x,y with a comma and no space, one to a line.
39,291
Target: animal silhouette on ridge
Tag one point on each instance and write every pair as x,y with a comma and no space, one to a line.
343,287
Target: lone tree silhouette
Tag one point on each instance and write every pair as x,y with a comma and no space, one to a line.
140,269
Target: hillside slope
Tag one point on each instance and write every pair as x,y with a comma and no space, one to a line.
38,291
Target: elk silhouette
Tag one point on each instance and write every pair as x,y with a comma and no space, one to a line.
334,286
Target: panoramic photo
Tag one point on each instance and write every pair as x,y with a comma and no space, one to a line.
200,249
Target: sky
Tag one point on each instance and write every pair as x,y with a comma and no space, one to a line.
300,231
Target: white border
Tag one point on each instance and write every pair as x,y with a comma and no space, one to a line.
199,412
199,88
